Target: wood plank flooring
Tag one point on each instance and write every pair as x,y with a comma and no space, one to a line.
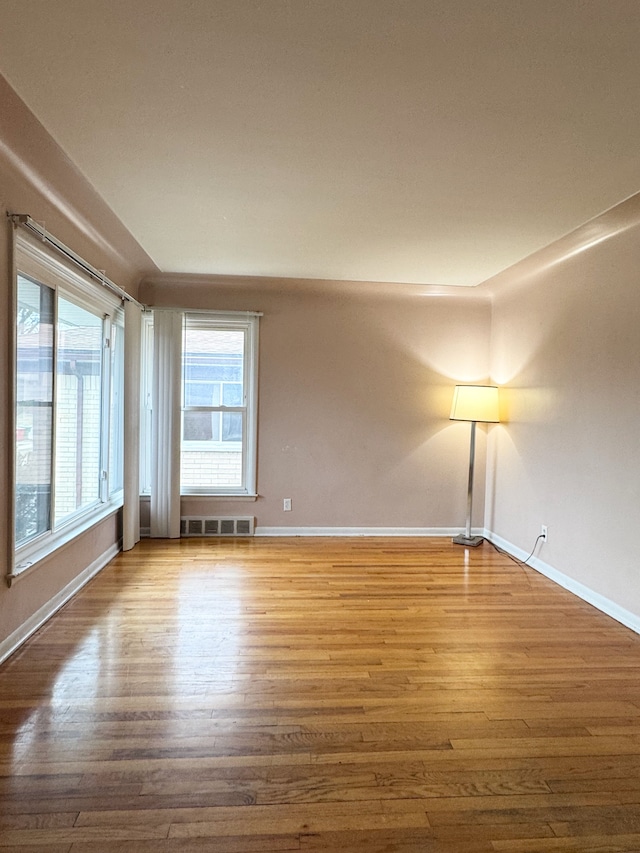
348,695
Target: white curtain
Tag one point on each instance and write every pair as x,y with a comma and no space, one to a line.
166,425
131,509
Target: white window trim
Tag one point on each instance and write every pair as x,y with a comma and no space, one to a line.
249,323
33,259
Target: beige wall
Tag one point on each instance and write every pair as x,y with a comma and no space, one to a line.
355,390
566,343
37,178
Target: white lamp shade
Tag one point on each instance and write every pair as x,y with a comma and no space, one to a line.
475,403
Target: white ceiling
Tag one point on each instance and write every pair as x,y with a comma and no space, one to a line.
426,141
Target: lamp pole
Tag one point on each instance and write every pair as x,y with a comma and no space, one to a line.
473,403
466,538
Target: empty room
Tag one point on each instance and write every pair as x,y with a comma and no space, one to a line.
319,411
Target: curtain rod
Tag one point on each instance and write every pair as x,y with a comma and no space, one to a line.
30,224
187,311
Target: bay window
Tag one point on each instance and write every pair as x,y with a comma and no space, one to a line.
68,393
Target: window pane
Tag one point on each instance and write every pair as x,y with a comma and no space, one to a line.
232,426
213,370
116,418
201,426
232,394
34,406
78,407
219,467
202,393
213,355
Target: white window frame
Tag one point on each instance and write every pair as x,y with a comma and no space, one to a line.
249,324
34,261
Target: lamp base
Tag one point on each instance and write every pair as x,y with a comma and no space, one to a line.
469,541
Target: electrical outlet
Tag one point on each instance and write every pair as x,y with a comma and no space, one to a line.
543,533
286,504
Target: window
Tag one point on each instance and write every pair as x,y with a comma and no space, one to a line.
34,409
219,404
216,403
78,380
68,403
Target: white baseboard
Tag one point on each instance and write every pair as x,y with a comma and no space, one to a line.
360,531
349,531
625,617
18,637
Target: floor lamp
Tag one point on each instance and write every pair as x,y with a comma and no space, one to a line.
473,403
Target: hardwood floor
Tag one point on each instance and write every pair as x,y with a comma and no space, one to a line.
321,695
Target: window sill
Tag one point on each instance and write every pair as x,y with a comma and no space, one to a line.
31,557
216,496
219,497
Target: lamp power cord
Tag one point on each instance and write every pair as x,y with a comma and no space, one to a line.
524,562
